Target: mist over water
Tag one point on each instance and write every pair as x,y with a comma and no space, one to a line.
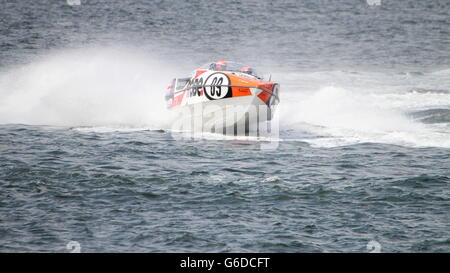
87,153
91,87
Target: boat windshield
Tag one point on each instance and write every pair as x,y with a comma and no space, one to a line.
233,67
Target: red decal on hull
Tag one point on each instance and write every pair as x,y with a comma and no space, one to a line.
177,100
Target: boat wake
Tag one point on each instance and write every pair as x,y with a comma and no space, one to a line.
378,109
116,89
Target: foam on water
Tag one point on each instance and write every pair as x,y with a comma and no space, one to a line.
340,109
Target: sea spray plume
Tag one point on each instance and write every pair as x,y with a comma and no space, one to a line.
87,87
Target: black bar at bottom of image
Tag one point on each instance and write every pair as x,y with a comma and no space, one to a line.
222,262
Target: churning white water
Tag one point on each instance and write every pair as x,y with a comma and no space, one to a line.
122,88
339,108
93,87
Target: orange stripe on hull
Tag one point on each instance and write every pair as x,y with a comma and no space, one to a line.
264,96
241,91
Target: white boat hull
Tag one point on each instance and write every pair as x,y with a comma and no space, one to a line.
231,116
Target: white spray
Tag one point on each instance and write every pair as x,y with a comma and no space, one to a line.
121,88
91,87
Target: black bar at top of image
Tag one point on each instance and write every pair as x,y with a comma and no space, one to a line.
223,262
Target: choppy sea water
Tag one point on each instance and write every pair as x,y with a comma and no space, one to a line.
87,154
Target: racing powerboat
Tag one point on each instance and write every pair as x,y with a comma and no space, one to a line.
223,97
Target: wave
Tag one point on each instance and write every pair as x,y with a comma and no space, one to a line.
432,116
334,116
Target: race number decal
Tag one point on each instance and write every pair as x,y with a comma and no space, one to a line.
217,86
195,87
